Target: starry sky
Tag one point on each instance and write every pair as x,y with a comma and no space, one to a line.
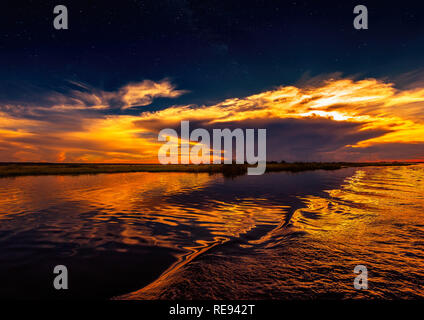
101,90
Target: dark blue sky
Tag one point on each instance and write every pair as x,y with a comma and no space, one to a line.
215,49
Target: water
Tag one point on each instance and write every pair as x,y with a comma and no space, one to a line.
184,235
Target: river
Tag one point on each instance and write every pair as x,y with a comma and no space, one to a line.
199,236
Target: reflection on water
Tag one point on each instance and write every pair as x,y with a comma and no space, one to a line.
183,235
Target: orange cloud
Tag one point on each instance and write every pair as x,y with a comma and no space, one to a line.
339,119
376,104
131,95
142,94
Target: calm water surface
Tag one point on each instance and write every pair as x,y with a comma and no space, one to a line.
184,235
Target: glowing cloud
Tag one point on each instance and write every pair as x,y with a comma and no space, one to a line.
338,119
142,94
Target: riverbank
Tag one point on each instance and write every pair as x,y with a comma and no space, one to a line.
9,169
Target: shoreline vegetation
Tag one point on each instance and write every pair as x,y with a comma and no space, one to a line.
13,169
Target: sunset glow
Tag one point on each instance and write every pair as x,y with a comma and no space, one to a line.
375,116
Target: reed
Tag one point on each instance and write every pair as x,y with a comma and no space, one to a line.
8,169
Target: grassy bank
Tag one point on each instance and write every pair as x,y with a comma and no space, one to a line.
23,169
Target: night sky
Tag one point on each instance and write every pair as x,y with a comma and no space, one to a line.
210,50
216,49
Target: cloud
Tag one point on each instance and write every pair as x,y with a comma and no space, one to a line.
142,94
83,97
333,119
